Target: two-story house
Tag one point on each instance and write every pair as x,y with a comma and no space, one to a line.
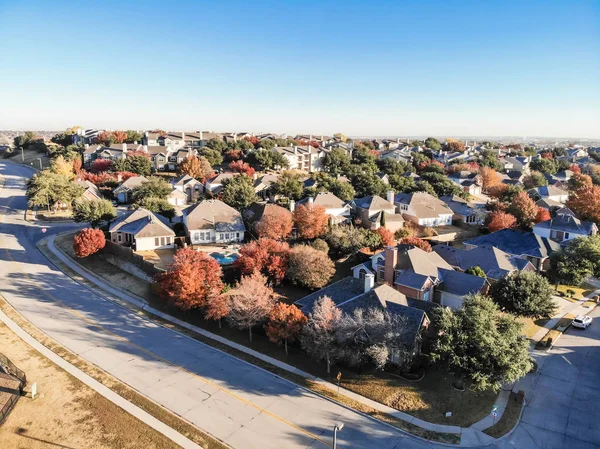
422,208
371,211
339,211
563,227
213,221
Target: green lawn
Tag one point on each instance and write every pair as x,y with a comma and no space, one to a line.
580,292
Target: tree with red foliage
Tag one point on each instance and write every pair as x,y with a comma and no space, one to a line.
267,256
77,166
234,155
96,178
500,220
251,302
387,236
192,279
100,165
88,241
423,165
575,169
119,136
217,308
125,175
311,221
524,209
104,138
455,145
134,153
276,223
241,167
286,322
547,155
543,214
585,202
419,243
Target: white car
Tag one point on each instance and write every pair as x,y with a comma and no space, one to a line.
582,321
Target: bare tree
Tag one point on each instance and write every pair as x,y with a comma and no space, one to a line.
318,337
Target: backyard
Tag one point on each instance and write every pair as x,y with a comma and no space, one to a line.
429,399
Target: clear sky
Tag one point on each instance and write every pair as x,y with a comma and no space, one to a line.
484,67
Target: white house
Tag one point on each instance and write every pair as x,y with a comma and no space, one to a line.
564,227
142,230
213,221
422,208
338,210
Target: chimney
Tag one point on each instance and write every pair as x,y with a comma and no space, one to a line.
295,149
86,146
124,148
119,177
201,135
369,282
292,206
311,201
390,196
407,141
182,135
255,176
322,138
391,260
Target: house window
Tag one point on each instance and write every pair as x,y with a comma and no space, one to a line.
168,240
362,273
566,236
119,237
156,241
227,236
196,236
404,207
162,241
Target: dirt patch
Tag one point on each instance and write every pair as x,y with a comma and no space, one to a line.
67,413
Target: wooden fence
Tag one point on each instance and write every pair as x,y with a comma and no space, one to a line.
126,253
9,367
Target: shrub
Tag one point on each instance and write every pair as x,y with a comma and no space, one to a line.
88,241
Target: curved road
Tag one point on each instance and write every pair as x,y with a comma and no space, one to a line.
229,398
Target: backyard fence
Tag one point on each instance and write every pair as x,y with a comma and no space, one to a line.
127,254
9,367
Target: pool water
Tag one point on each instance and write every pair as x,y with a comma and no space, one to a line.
224,259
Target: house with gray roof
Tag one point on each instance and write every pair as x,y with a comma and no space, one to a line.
371,210
468,212
338,210
526,245
422,208
191,187
213,221
564,227
493,261
256,211
124,192
142,230
550,192
351,293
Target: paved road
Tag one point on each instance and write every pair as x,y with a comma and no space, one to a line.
241,404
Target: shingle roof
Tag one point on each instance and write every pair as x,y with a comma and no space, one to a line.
373,202
567,223
256,211
546,191
517,242
141,223
325,199
460,284
339,292
213,214
132,183
423,204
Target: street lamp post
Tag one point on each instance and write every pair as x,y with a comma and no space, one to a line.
22,155
40,159
336,428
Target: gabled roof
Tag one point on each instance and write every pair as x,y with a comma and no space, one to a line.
546,191
423,204
461,206
132,183
373,202
517,242
460,284
141,223
325,199
339,292
213,214
567,223
183,180
257,210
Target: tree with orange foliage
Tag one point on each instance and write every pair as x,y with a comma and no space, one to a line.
490,178
125,175
197,167
234,155
543,214
267,256
387,236
578,181
419,243
311,221
77,166
575,168
524,209
276,223
96,178
241,167
498,220
217,308
285,324
547,155
585,202
100,165
88,241
456,145
191,279
104,138
119,136
251,302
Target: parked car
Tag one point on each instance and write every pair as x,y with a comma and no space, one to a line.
582,321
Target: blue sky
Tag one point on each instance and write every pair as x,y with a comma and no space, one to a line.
362,68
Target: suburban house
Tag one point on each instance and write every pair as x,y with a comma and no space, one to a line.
339,211
403,154
262,184
464,211
214,185
182,139
213,221
123,193
469,182
177,198
563,227
518,163
191,187
91,192
256,211
551,193
307,158
421,275
370,211
142,230
493,261
159,156
422,208
351,293
112,152
526,245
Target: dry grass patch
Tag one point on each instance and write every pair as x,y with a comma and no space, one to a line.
554,333
509,418
531,326
580,292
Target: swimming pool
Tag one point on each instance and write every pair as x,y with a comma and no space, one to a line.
224,259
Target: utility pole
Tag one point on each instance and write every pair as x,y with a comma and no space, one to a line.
22,155
336,428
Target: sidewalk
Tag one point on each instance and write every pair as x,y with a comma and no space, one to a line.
471,436
140,414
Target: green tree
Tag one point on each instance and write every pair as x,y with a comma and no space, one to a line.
402,184
442,185
433,143
345,240
133,136
548,166
476,270
289,184
137,164
51,190
238,192
62,139
576,261
343,190
336,162
525,294
94,212
366,182
534,179
24,140
480,344
217,144
155,187
267,160
490,159
214,156
157,205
